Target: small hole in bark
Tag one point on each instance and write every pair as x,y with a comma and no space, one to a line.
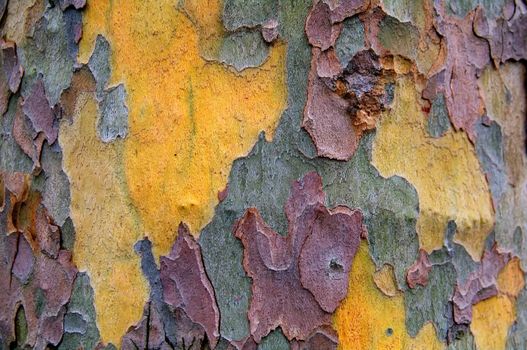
335,266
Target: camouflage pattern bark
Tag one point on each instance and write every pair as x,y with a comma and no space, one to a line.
233,174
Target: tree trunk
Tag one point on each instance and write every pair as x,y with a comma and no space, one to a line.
234,174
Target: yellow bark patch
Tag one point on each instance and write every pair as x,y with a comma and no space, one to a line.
494,93
426,339
511,279
209,25
385,280
189,119
368,319
444,171
491,320
104,224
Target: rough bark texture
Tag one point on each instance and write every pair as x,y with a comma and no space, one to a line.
234,174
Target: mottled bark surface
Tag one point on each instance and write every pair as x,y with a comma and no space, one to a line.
233,174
